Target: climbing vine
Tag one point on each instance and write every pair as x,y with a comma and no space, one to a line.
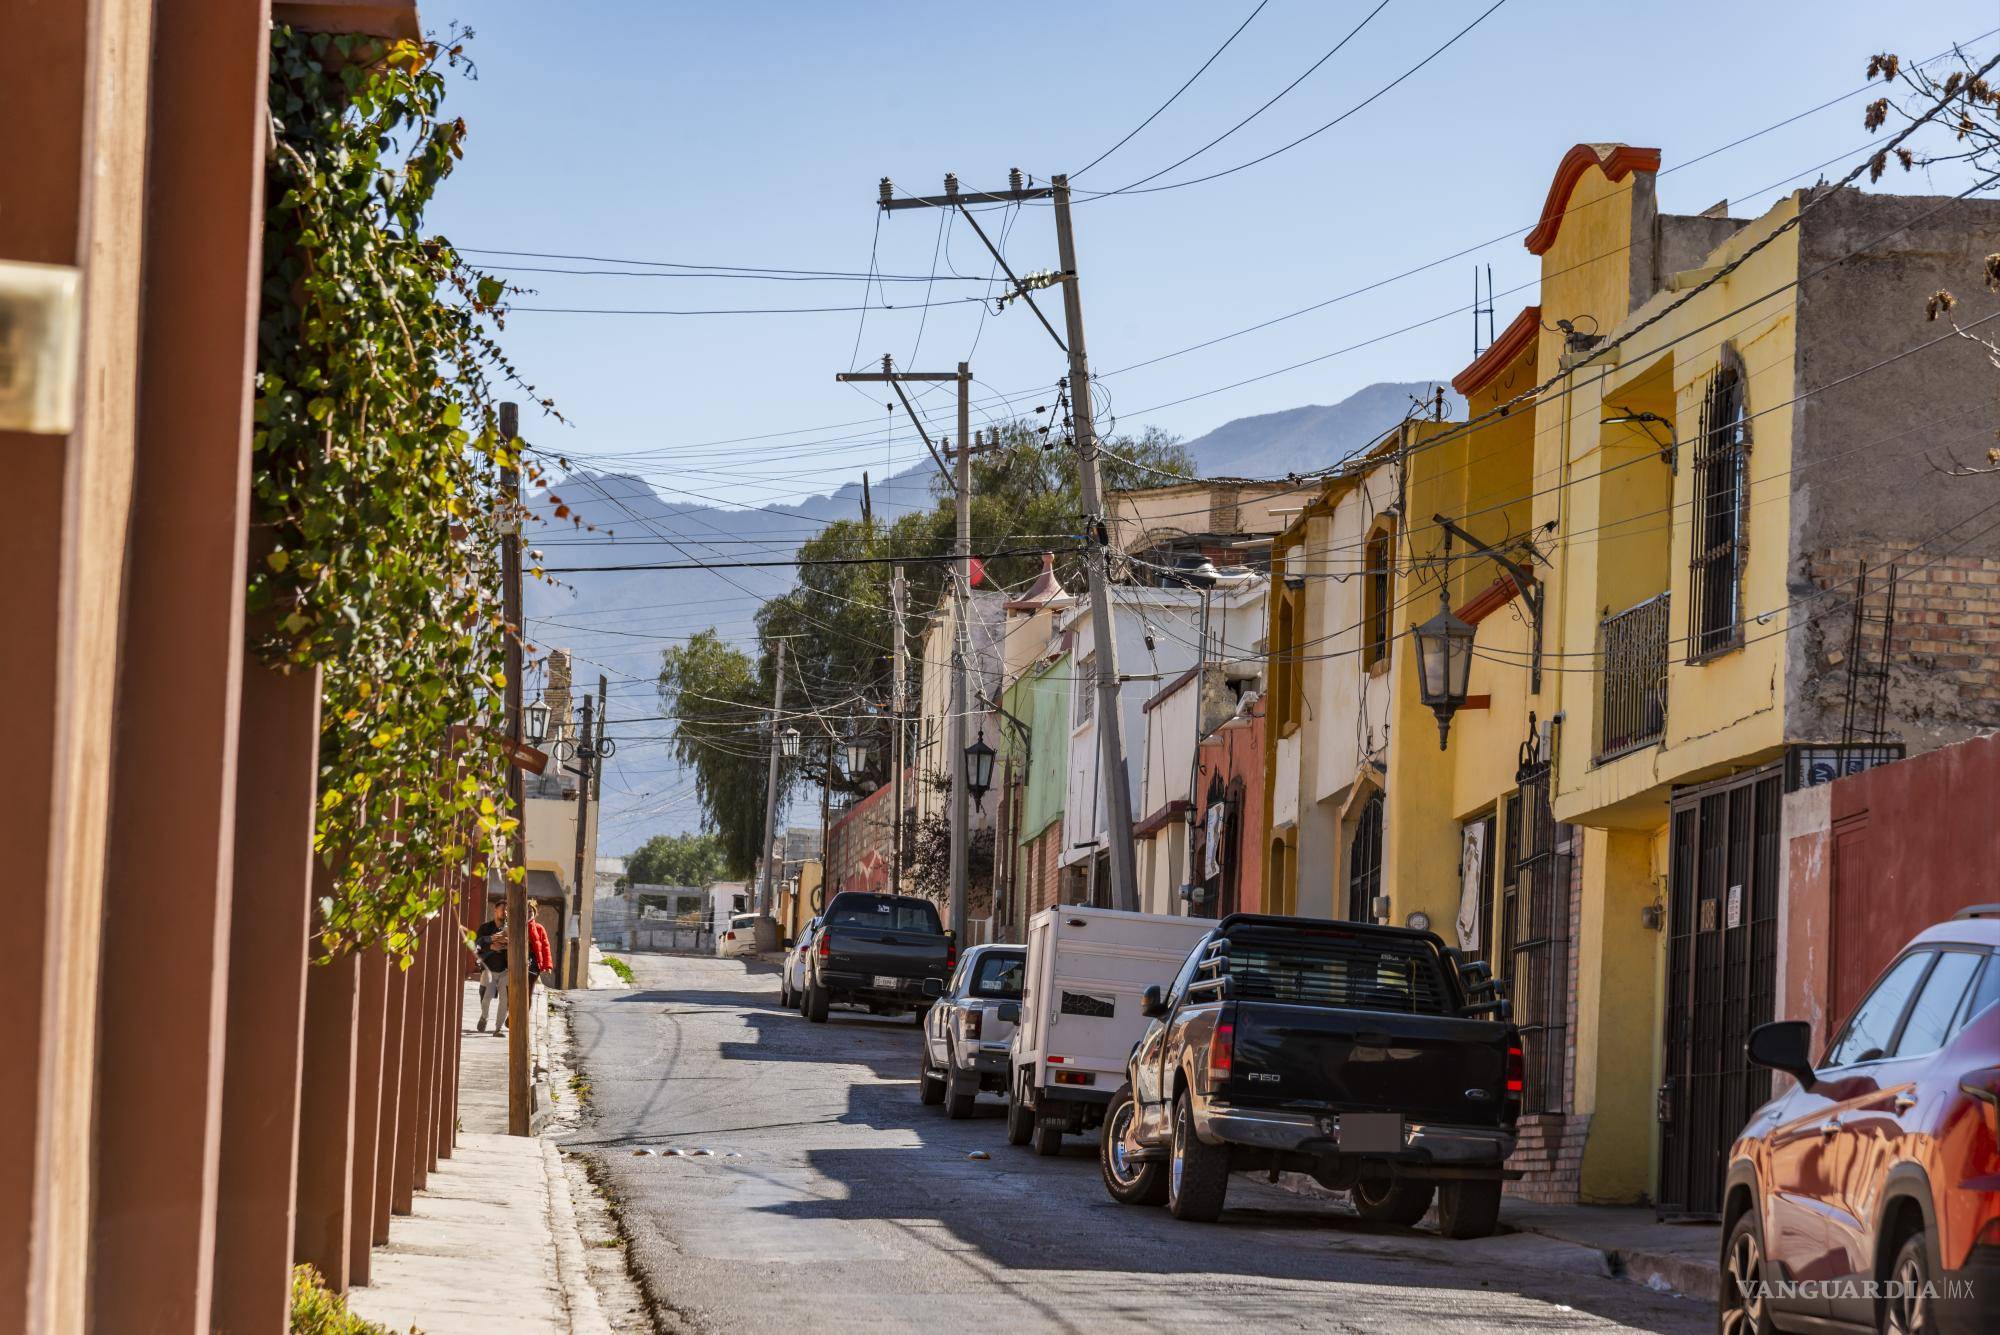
376,490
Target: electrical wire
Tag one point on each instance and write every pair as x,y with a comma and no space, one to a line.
1213,56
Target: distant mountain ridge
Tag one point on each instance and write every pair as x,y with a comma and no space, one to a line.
1297,440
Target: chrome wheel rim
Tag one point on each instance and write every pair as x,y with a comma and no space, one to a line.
1906,1304
1114,1132
1744,1313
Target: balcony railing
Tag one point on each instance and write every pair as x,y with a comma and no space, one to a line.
1633,707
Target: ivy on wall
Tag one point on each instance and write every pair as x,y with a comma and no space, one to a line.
375,474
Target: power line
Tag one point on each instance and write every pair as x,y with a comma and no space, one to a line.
1178,91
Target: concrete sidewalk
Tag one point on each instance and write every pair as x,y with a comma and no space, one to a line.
491,1247
1681,1258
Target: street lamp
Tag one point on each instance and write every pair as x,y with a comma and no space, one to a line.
978,768
788,742
856,748
1444,664
535,722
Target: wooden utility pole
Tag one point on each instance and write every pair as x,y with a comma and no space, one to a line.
767,888
1097,566
1110,726
898,707
577,950
519,1111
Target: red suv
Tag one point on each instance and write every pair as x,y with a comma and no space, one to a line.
1867,1195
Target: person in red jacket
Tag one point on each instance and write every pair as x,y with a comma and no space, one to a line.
539,955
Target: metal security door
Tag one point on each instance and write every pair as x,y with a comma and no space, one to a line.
1722,956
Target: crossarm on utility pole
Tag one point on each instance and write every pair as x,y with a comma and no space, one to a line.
894,380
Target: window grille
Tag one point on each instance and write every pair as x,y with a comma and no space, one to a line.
1376,598
1364,861
1084,702
1721,481
1536,926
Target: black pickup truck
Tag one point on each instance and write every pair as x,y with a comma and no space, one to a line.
1376,1059
878,951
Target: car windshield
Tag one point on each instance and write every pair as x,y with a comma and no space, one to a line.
1338,969
883,911
999,976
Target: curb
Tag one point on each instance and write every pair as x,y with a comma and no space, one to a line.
580,1303
1662,1272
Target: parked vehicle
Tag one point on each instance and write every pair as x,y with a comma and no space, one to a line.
739,938
1079,1014
792,978
1374,1058
877,951
1882,1161
965,1040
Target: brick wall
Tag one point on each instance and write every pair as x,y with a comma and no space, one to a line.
1040,871
1944,657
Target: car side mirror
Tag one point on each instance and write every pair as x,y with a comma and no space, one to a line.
933,987
1784,1045
1153,1002
1010,1012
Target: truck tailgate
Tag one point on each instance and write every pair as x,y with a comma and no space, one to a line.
886,953
1427,1067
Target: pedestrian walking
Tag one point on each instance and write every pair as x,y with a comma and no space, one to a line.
540,958
490,944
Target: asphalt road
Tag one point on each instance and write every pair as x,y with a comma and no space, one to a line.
834,1201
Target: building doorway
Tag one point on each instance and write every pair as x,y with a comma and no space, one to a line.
1722,977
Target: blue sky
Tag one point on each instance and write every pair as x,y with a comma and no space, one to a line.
754,134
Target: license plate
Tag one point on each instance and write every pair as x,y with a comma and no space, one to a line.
1371,1133
886,983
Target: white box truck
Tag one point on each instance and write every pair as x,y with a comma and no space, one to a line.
1079,1013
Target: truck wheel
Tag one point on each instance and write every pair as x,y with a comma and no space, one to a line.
1198,1174
1130,1181
1020,1118
816,1002
930,1087
1047,1140
1468,1208
1391,1200
960,1091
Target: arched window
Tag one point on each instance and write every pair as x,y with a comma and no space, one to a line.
1364,860
1721,479
1378,568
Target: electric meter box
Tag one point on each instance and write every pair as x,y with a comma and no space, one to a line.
40,328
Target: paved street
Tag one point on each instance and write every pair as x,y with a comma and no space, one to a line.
833,1200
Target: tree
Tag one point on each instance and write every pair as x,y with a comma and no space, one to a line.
677,859
719,700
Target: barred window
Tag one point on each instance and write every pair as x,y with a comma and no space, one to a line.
1721,481
1364,861
1375,595
1535,906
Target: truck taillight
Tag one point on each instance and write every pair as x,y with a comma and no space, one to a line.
1221,1052
975,1020
729,936
950,956
823,950
1517,1083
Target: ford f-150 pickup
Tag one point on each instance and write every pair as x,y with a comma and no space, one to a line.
877,951
1374,1058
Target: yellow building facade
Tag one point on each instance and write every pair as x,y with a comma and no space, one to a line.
1677,476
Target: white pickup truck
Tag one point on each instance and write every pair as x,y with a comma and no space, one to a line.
1079,1013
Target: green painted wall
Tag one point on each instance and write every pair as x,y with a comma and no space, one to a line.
1041,700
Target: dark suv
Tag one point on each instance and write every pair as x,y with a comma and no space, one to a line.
1867,1196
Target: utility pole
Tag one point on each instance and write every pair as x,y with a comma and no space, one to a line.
1110,729
898,704
1200,685
959,476
518,1110
1097,566
767,890
578,950
825,816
